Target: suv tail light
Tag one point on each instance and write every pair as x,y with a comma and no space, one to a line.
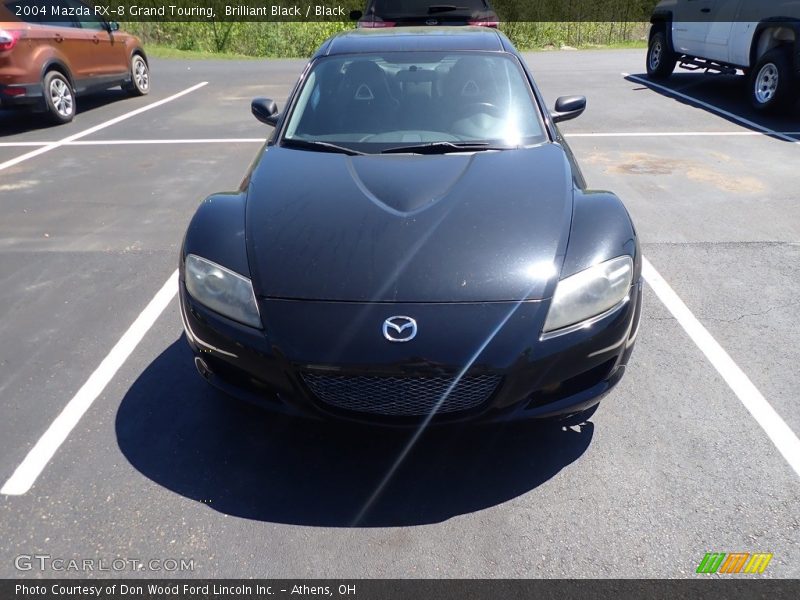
376,23
485,23
8,39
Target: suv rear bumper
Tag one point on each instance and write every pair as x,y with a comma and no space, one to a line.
18,94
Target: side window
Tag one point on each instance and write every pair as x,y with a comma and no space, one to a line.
86,21
29,11
56,14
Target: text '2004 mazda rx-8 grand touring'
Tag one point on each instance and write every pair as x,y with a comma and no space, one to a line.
414,244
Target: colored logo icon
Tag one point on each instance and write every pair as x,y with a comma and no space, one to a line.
734,562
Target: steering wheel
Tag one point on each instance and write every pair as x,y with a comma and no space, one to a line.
479,107
394,137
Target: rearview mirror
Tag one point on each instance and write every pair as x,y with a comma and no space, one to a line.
568,107
265,110
112,26
355,15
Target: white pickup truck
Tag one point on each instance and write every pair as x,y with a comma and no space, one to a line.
759,37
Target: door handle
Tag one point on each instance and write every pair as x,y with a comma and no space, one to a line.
95,39
59,39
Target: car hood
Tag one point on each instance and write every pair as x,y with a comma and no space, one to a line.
480,227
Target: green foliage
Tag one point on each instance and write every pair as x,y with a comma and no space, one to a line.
268,39
532,36
289,40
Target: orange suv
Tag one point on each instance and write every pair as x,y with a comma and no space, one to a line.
48,56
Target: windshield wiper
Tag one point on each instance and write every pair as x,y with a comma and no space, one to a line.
444,148
319,146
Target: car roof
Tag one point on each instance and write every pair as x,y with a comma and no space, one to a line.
406,39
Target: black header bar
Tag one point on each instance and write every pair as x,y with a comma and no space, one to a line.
733,588
338,11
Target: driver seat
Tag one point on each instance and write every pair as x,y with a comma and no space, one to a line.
469,83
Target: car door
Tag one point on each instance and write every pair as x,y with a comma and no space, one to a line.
107,53
718,38
690,26
61,32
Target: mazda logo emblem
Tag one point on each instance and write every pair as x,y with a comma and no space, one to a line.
399,329
431,22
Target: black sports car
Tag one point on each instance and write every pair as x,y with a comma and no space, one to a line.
414,243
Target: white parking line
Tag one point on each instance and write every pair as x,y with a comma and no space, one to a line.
678,134
784,439
34,463
184,141
43,451
610,134
75,136
23,144
716,109
137,142
40,455
45,448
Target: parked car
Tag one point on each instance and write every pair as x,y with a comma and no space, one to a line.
760,38
398,13
46,61
415,243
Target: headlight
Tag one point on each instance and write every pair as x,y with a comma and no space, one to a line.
222,290
589,293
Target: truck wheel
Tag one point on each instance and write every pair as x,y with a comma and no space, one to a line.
660,59
773,86
59,98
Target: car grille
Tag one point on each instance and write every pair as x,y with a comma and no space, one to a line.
402,396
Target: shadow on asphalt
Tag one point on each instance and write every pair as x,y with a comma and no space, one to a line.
13,122
728,92
239,460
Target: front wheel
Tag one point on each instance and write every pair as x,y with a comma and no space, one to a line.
661,60
578,418
140,77
773,86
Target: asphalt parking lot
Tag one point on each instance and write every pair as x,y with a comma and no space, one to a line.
684,457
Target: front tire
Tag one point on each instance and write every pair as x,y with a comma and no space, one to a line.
59,98
773,86
578,418
661,60
140,77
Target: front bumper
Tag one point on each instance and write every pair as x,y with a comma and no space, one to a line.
305,342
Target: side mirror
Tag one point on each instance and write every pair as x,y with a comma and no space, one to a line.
265,110
112,26
355,15
568,107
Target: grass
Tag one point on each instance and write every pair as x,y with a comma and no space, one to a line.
207,41
629,44
163,51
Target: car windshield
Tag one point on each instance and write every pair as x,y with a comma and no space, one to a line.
373,103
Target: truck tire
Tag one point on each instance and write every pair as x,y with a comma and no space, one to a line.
773,86
661,59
